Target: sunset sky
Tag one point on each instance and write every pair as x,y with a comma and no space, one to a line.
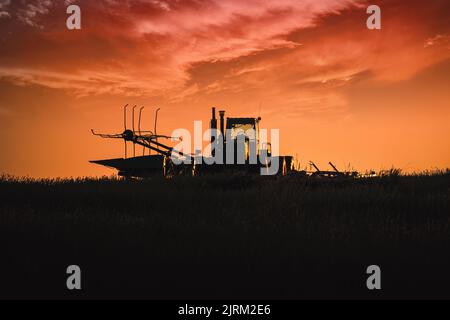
336,90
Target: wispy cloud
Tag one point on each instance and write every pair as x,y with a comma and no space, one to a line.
182,49
152,45
438,40
33,11
4,6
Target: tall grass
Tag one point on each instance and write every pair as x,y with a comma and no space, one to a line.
227,236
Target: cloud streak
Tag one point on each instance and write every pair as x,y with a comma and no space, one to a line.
181,50
148,46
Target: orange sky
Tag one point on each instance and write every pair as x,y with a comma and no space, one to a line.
336,90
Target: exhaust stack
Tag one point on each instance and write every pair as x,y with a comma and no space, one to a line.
213,131
222,132
213,124
222,124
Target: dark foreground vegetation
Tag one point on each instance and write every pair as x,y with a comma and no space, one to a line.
226,237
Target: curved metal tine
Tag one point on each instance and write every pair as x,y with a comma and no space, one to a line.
125,116
156,124
134,144
139,123
125,127
139,128
134,108
156,137
104,135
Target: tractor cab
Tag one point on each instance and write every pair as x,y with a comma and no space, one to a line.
241,136
243,133
247,126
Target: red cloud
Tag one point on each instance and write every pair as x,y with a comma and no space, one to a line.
284,47
141,47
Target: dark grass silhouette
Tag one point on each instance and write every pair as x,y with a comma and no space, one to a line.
226,237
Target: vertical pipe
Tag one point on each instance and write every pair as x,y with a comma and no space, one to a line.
134,144
222,124
156,125
222,132
213,131
139,128
125,117
139,121
125,127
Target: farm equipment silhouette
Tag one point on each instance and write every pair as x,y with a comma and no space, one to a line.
232,132
146,139
331,174
143,166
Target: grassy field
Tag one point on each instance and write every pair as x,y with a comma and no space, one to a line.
226,237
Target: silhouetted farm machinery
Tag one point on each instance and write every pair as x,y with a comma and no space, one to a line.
236,147
331,174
